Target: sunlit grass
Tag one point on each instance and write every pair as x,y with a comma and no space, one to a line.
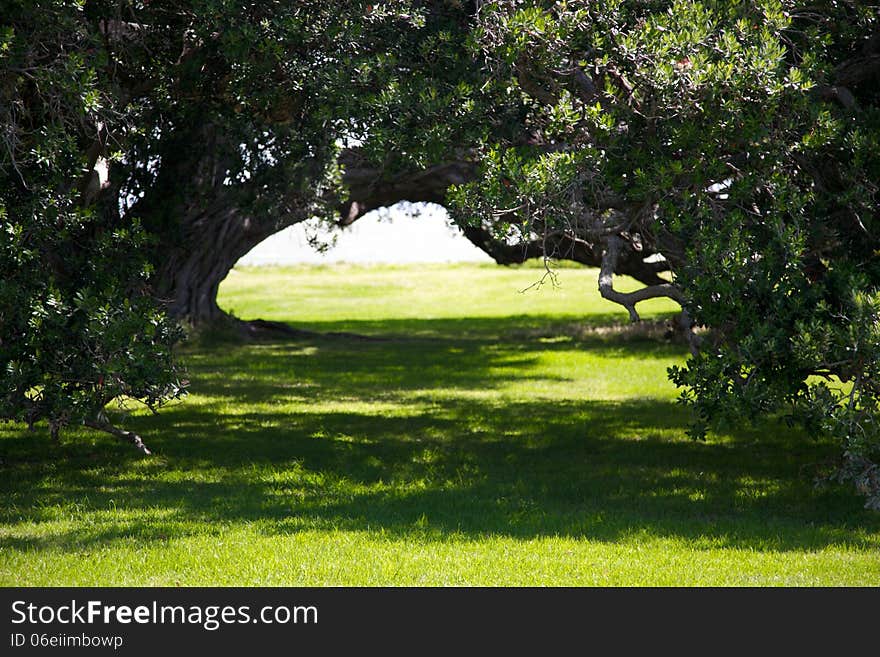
397,299
480,436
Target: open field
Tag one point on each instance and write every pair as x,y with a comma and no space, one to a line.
475,435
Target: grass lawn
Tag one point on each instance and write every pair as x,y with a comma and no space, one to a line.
475,434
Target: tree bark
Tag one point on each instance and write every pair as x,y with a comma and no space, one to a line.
199,242
191,271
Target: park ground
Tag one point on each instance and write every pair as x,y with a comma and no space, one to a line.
447,426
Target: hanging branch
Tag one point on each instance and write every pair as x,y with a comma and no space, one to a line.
128,436
629,299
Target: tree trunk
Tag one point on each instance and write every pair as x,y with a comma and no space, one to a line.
199,246
190,273
201,229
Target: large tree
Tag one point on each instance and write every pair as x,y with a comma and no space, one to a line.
149,145
262,117
258,108
242,119
736,144
740,142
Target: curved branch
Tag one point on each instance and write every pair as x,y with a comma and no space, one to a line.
836,93
370,187
629,300
563,246
857,70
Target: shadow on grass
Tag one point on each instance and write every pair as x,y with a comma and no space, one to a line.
369,370
369,445
506,327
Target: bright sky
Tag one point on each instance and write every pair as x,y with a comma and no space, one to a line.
392,236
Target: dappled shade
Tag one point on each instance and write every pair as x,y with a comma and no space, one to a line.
433,437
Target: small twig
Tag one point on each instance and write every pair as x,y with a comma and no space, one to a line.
548,273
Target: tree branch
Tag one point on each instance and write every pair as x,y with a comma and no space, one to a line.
128,436
629,299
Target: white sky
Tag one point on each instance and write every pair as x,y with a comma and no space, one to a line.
392,236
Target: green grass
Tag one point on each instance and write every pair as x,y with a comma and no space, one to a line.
481,436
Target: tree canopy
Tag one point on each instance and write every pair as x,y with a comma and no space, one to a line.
79,326
148,145
724,153
738,142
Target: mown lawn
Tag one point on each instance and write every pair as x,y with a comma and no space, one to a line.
469,434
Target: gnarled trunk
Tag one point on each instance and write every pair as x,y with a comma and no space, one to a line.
200,226
190,272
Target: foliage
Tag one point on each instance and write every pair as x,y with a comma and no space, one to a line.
130,126
245,108
739,141
430,100
736,143
250,107
78,324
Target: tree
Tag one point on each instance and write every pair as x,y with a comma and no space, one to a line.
367,188
79,326
149,145
724,153
220,166
739,141
239,117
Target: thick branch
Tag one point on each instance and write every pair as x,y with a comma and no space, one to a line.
836,93
858,70
561,245
370,188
